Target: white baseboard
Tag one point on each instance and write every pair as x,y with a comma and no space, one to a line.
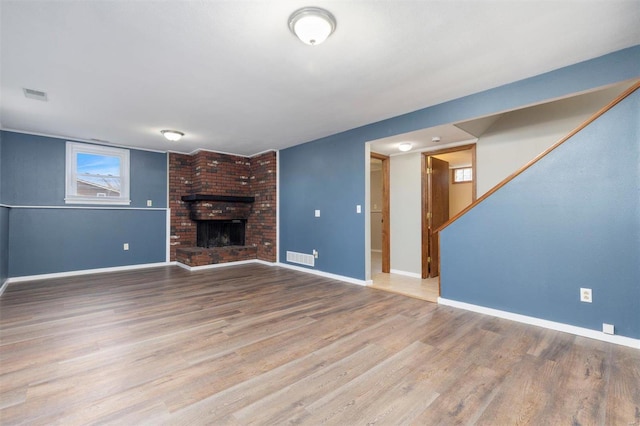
558,326
182,265
405,273
324,274
86,272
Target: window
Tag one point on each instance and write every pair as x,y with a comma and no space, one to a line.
463,175
96,174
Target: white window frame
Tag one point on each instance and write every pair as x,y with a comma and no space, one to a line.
71,190
462,169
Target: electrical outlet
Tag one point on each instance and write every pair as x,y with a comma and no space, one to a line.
125,246
315,253
149,203
585,295
608,328
317,213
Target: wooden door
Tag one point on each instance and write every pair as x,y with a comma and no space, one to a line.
437,208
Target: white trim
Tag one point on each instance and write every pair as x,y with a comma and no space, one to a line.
324,274
168,204
5,205
4,286
88,207
263,152
376,251
73,149
168,235
87,272
197,150
405,273
566,328
222,265
367,212
187,267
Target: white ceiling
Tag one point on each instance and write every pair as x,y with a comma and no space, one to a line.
448,135
233,78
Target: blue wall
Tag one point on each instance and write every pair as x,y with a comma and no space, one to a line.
45,239
572,220
331,170
308,183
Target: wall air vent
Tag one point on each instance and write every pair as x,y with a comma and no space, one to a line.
35,94
301,258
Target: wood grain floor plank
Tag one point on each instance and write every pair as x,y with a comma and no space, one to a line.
355,401
253,344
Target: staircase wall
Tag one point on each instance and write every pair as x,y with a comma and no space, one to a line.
571,220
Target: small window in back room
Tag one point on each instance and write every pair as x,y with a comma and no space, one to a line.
462,175
96,174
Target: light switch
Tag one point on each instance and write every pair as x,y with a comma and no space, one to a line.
358,208
317,213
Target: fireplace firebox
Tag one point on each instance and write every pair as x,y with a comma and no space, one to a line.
221,233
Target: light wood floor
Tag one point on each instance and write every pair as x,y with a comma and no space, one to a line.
255,344
427,289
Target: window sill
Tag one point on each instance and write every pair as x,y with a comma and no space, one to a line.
98,201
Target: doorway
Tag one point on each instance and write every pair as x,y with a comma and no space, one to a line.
379,211
448,186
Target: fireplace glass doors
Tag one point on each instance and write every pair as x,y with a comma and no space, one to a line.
220,233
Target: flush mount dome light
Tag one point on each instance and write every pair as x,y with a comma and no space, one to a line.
405,146
172,135
312,25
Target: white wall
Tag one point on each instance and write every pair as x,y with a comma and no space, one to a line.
518,137
406,222
376,210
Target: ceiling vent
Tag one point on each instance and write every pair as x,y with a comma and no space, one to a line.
38,95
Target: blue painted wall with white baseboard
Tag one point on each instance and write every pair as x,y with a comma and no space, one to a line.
46,236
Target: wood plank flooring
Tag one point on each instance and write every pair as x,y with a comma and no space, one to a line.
255,344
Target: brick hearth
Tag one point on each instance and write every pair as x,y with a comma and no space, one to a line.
211,173
198,256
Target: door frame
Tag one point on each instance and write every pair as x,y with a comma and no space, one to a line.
427,202
386,209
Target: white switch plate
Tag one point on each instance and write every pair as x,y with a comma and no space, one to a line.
317,213
358,208
585,295
125,246
608,328
149,203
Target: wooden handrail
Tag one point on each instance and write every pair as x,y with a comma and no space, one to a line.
591,119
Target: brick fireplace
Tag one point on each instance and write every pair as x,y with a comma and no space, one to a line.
209,186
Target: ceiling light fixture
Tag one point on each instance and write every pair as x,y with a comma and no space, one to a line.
405,146
172,135
312,25
435,139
